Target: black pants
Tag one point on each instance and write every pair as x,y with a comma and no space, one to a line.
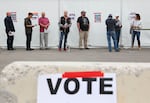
10,40
118,37
28,40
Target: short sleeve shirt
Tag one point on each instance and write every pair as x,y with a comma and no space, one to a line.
43,21
27,21
84,23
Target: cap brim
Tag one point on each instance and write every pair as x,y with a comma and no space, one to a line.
83,11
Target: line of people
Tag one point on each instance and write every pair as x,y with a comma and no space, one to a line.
113,28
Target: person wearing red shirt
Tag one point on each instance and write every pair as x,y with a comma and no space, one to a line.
44,24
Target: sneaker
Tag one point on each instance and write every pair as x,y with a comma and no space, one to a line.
117,50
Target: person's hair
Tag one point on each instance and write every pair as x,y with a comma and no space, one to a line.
30,14
138,17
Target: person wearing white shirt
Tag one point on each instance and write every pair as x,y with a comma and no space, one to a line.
136,26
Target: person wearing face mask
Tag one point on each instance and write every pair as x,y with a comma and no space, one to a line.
83,25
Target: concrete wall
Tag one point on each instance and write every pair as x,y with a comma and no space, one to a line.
18,81
54,9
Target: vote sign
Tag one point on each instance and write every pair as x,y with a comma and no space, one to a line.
77,87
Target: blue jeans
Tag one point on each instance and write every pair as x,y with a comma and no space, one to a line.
137,34
63,35
113,35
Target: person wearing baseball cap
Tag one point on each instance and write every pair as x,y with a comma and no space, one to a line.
83,11
110,27
83,25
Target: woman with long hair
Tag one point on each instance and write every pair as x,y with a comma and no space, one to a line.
136,26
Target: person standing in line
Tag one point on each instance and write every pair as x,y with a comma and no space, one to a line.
118,29
28,30
83,25
110,24
44,24
9,31
136,26
64,24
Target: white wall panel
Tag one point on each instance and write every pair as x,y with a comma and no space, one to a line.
54,9
22,7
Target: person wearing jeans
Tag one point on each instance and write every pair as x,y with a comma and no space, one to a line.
136,26
110,24
112,34
65,36
64,24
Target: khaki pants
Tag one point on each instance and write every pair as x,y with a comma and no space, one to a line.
83,36
43,40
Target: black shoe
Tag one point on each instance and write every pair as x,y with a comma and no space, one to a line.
46,48
87,48
65,49
29,49
11,49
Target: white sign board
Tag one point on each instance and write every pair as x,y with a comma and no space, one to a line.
57,88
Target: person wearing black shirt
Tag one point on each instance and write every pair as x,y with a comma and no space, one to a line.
83,25
111,24
64,24
9,31
28,30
